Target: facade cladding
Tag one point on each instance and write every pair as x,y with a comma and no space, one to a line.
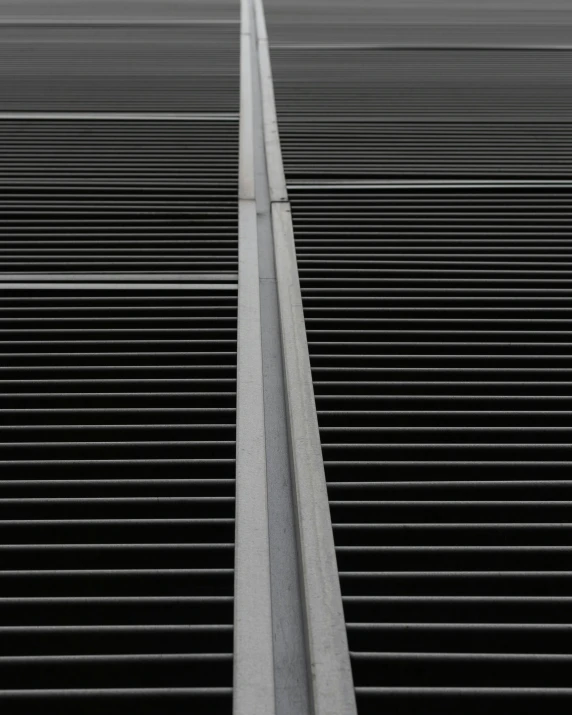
285,357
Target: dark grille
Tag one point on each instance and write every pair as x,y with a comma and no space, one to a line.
117,499
421,83
119,66
118,335
438,327
312,24
426,153
363,114
368,150
119,196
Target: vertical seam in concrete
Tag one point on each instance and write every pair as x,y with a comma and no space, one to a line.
330,676
290,653
253,648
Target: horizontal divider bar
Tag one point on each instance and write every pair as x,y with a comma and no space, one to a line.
421,47
118,277
433,183
163,116
80,285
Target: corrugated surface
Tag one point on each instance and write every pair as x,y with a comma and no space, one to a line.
364,114
351,114
117,403
119,67
124,196
356,150
117,499
439,332
417,23
429,83
438,323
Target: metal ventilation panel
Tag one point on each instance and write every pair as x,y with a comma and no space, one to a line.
119,196
118,356
120,65
438,329
117,499
431,210
240,434
365,151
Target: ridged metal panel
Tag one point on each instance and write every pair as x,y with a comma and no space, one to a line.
117,499
408,23
363,114
118,338
119,66
438,327
357,150
437,311
422,83
126,12
123,196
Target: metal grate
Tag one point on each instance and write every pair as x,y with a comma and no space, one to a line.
438,325
119,66
429,83
118,339
305,24
349,114
357,150
117,499
119,196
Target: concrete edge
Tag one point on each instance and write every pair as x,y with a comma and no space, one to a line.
330,677
276,178
253,646
246,186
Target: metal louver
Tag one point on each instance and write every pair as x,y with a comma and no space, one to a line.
370,150
118,413
437,325
117,196
118,340
125,64
430,200
284,442
439,83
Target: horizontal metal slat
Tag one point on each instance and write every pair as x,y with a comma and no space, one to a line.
444,433
117,528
